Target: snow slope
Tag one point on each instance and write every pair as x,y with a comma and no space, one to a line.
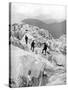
23,59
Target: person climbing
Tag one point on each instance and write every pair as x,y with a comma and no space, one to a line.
26,39
44,80
45,48
33,45
29,72
29,78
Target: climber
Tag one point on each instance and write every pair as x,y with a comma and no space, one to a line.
29,78
26,39
32,45
44,80
45,48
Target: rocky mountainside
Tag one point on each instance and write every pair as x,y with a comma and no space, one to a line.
23,59
56,29
40,36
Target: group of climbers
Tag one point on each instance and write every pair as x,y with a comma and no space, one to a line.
33,45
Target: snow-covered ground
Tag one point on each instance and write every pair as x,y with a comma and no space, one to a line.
23,59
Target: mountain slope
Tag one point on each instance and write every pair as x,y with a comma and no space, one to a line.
56,29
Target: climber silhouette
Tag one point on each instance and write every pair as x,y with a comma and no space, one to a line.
29,72
45,48
32,45
26,39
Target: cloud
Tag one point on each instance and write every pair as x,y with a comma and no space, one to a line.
42,12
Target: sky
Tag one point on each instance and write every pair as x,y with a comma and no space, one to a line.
21,11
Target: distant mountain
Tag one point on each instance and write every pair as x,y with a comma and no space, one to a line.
56,29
